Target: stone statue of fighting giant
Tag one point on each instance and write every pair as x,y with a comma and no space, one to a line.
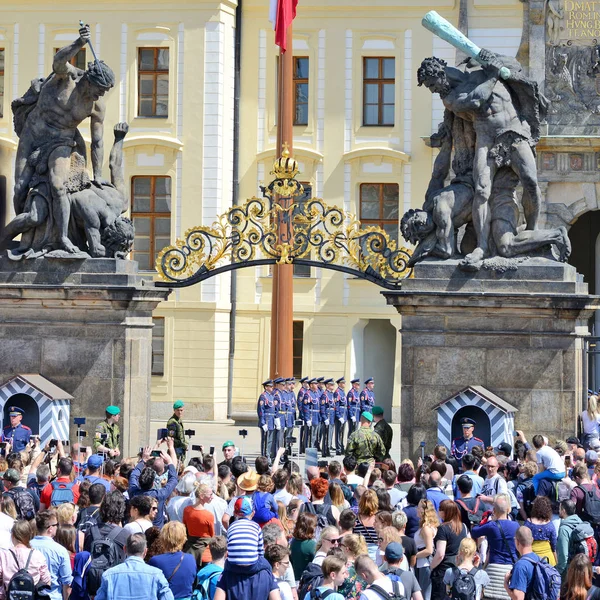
60,211
492,124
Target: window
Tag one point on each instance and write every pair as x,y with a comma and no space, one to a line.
78,61
298,345
151,212
379,205
379,81
300,90
153,82
158,346
1,82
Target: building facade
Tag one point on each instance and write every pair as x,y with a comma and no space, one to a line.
203,135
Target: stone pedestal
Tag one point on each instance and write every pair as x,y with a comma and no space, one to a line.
85,325
518,334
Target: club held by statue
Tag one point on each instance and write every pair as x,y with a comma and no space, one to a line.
81,24
447,32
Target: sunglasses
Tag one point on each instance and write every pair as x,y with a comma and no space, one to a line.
332,541
53,525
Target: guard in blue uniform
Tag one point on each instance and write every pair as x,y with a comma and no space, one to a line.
291,402
16,433
341,415
327,406
464,444
280,394
267,411
314,411
367,396
302,394
353,399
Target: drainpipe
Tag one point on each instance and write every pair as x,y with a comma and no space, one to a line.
234,199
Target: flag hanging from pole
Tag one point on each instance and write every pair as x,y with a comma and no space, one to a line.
281,14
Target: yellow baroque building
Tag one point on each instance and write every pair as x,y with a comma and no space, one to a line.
196,81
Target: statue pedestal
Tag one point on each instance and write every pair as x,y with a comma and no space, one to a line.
518,334
86,326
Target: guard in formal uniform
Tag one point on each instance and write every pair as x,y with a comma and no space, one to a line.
383,428
353,399
302,393
327,414
281,396
321,384
267,408
341,415
16,433
464,444
176,430
291,414
367,396
108,434
315,413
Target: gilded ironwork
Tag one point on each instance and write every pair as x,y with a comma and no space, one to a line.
280,228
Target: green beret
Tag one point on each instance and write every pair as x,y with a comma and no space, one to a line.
367,415
377,410
113,410
178,404
228,444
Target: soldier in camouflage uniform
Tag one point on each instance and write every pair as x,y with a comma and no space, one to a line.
364,443
176,430
110,427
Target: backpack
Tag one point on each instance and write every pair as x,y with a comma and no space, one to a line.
90,521
322,520
317,594
396,591
311,579
62,492
591,505
582,541
21,586
475,515
464,586
201,588
105,554
23,503
262,513
546,581
528,494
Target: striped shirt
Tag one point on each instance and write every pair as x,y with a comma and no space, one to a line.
244,542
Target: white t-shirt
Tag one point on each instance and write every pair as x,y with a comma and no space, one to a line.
551,459
590,426
283,496
355,480
285,590
217,506
494,485
138,526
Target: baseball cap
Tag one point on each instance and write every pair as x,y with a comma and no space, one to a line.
95,461
11,475
243,506
394,551
591,456
505,448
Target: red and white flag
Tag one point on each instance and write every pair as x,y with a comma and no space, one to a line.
281,14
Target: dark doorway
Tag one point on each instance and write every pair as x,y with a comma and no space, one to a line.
482,429
31,418
583,234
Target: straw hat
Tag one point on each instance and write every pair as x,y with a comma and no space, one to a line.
248,481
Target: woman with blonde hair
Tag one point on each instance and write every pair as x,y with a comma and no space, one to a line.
353,546
337,497
66,513
199,522
467,561
368,506
387,535
590,420
179,568
428,526
11,560
330,538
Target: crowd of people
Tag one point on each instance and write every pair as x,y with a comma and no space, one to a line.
515,522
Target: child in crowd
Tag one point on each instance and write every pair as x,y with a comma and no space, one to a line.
279,559
208,577
335,572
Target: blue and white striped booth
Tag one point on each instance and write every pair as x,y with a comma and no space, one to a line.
47,407
495,417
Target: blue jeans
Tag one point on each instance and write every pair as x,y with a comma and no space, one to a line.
546,475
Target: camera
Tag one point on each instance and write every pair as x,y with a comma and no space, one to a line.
189,432
54,443
162,433
212,450
83,449
81,433
155,453
79,420
243,432
196,448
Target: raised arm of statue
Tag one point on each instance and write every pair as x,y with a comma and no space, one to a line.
97,133
480,94
61,64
